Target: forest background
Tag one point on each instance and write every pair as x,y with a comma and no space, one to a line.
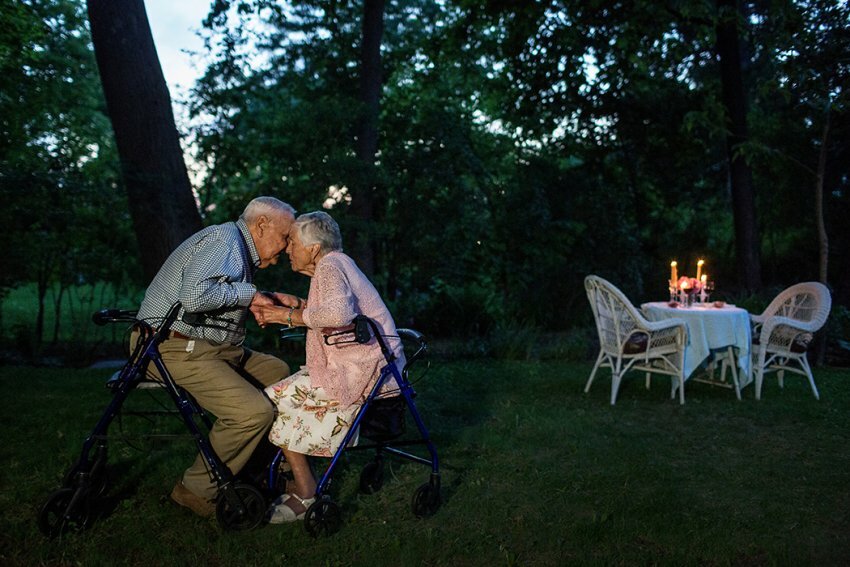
482,157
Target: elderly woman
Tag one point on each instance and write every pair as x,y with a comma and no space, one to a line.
317,404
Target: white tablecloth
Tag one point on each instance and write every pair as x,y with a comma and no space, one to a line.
709,328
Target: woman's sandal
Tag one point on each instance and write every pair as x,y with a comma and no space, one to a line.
282,514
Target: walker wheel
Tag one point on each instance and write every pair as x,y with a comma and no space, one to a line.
372,477
62,514
426,500
240,507
323,518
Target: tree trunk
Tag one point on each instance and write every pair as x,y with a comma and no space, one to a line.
740,174
57,312
362,202
823,239
41,290
159,192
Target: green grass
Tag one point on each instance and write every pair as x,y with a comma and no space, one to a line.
534,473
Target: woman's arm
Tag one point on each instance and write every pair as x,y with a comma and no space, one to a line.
288,300
332,302
289,316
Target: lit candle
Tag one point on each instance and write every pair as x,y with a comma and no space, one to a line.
703,279
674,275
699,268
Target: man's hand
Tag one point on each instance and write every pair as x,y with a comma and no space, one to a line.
264,300
288,300
259,300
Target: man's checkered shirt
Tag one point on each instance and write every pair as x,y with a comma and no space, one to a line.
210,274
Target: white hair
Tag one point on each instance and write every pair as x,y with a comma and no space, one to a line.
319,228
265,206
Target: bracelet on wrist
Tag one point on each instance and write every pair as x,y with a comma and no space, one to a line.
289,319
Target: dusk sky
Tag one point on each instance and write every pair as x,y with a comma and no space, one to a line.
173,25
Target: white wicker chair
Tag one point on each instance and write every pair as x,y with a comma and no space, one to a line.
782,333
629,342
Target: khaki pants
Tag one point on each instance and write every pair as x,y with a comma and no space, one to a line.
216,376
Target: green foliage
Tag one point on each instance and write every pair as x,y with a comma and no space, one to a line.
65,216
522,146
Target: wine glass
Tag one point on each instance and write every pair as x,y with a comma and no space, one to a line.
709,287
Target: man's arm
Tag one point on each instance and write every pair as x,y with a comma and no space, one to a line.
211,279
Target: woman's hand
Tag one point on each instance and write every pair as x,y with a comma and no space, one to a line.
279,314
260,299
265,307
288,300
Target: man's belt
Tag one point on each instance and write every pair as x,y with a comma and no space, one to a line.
171,334
181,336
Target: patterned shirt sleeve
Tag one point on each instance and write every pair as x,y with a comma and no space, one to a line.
208,278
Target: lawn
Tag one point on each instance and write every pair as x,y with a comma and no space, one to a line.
535,472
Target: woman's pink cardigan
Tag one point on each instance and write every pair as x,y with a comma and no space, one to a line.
338,292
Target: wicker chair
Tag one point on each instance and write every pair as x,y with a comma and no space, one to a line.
629,342
783,332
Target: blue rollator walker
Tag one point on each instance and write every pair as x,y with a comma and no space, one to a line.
381,420
240,505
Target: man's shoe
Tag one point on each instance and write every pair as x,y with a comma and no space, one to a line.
188,499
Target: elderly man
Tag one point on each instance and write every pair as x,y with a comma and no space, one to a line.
211,275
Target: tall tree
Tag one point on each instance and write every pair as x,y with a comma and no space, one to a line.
367,132
158,188
747,243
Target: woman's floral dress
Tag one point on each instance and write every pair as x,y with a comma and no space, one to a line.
308,420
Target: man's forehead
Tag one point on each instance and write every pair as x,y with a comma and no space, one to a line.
281,218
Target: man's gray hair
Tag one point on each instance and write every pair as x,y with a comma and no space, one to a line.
265,206
319,228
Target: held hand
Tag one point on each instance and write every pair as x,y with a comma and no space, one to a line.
262,298
258,315
267,314
259,300
288,300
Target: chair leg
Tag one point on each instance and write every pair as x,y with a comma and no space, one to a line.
647,380
593,372
760,372
681,387
805,364
780,376
615,385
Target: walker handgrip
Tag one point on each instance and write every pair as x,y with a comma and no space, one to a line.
411,335
105,316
